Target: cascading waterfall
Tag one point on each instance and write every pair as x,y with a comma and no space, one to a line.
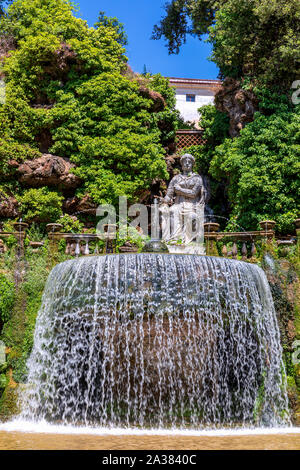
157,340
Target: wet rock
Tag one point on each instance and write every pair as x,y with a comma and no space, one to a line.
74,205
8,206
239,104
48,170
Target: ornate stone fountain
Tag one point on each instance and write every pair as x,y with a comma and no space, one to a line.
159,339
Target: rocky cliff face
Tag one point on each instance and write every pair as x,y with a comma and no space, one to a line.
48,170
74,205
239,104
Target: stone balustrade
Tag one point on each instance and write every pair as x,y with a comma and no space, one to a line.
243,245
235,245
76,244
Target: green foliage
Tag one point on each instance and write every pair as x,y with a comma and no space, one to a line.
62,246
7,298
166,119
262,167
70,224
3,4
18,332
18,121
113,23
215,127
3,381
215,124
251,38
10,150
26,66
40,205
32,17
69,92
272,101
111,136
185,17
258,171
37,272
132,235
8,226
259,39
30,297
182,124
35,233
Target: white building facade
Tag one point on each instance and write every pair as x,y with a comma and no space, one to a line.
191,94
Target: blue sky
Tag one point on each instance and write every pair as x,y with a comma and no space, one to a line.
138,17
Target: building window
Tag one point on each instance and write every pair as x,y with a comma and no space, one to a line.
191,98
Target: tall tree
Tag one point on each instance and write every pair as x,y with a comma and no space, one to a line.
3,5
258,39
112,22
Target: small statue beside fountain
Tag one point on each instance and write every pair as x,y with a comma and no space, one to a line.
182,210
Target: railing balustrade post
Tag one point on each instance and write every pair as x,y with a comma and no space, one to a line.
253,250
244,251
224,251
234,251
77,248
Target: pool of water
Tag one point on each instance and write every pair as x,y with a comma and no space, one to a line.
32,436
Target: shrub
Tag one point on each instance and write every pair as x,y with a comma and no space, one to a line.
69,92
7,298
262,167
70,224
40,205
10,150
35,233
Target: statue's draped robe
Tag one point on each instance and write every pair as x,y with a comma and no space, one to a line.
181,220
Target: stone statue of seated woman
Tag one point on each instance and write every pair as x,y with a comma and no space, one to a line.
182,209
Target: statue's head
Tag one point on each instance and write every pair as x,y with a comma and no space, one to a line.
187,162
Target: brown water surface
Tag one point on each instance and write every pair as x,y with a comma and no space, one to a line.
35,441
